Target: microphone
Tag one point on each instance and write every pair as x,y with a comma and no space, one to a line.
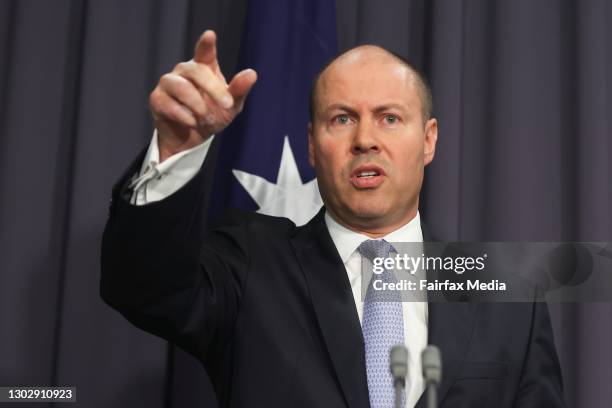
432,373
398,362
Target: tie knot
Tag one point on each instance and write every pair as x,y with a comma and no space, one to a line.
375,249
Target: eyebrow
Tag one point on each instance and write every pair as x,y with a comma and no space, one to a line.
340,106
389,106
378,109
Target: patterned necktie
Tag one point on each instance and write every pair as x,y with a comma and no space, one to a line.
383,328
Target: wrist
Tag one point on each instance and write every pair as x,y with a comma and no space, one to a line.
170,145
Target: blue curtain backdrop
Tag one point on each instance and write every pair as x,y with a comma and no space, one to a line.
522,93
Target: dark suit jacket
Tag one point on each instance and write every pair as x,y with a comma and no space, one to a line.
267,308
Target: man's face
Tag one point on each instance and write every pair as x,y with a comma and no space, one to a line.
368,142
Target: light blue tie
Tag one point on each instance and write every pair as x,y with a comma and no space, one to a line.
383,328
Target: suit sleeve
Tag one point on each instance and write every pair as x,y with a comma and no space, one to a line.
541,384
166,276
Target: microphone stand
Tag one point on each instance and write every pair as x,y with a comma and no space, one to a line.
432,373
398,362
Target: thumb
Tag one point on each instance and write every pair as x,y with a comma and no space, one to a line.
240,86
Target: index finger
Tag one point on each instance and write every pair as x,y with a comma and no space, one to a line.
206,49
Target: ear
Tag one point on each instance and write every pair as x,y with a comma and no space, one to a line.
311,153
431,137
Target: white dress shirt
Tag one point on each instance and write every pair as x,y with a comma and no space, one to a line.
415,313
157,181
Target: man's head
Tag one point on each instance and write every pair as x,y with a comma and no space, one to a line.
370,138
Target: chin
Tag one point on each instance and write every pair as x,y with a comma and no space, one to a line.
369,211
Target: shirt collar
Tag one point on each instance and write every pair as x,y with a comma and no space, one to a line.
348,241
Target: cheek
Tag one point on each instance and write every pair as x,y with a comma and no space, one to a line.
408,161
322,161
329,157
324,168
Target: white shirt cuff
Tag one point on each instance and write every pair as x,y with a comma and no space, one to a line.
157,181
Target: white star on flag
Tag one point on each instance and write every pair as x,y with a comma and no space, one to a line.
289,197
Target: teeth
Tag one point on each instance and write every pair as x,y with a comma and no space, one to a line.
367,174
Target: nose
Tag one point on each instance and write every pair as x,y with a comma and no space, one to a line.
364,140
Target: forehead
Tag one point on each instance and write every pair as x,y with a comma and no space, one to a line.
368,76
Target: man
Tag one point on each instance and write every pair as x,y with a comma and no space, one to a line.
274,311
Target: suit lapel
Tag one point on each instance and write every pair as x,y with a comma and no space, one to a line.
450,327
334,307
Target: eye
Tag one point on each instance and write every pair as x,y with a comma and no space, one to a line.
390,119
342,119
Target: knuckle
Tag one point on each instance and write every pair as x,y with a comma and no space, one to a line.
180,67
165,80
154,99
172,111
185,91
185,67
177,111
165,110
167,107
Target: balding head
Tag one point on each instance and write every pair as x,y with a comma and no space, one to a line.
365,54
369,139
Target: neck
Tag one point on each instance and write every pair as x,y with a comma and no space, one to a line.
375,228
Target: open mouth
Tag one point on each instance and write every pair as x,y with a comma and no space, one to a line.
367,176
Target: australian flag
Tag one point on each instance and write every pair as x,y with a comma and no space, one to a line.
262,163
